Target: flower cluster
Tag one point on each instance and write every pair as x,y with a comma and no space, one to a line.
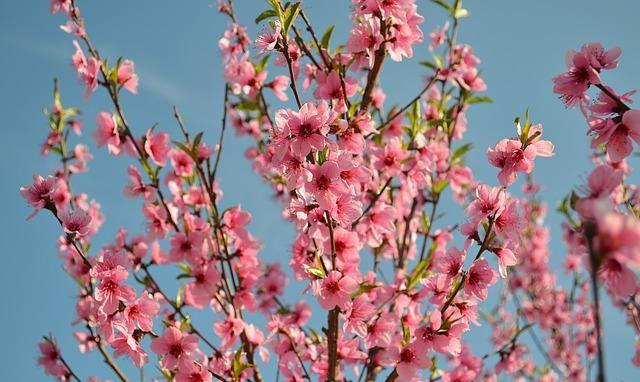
365,188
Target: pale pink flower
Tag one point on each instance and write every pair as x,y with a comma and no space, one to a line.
110,292
268,39
182,163
506,258
229,329
410,359
141,311
157,147
50,359
200,291
279,86
60,6
125,344
617,136
107,133
358,315
127,76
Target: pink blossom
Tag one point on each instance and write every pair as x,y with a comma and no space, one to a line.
107,133
336,290
358,315
268,39
199,292
325,184
50,359
176,348
125,344
229,329
181,162
489,202
157,147
87,69
127,76
60,6
111,291
39,193
479,278
506,258
279,86
141,311
617,136
600,184
75,222
512,156
411,358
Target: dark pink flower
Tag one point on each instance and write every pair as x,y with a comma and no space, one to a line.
76,222
336,290
176,348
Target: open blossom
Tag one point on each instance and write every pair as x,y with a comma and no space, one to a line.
584,70
229,329
410,359
618,237
479,278
107,133
512,156
112,290
488,202
75,222
60,6
326,185
268,39
602,181
279,86
336,290
506,258
50,359
125,344
141,312
87,69
330,86
307,128
127,76
39,193
176,348
157,147
616,136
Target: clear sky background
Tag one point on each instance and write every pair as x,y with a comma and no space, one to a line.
174,45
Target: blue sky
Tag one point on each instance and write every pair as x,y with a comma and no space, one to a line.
174,44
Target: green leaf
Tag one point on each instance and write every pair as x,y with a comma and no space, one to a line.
363,288
473,100
444,5
180,296
460,152
184,148
269,13
429,64
406,334
290,16
326,37
438,61
238,367
197,139
460,13
440,186
318,272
